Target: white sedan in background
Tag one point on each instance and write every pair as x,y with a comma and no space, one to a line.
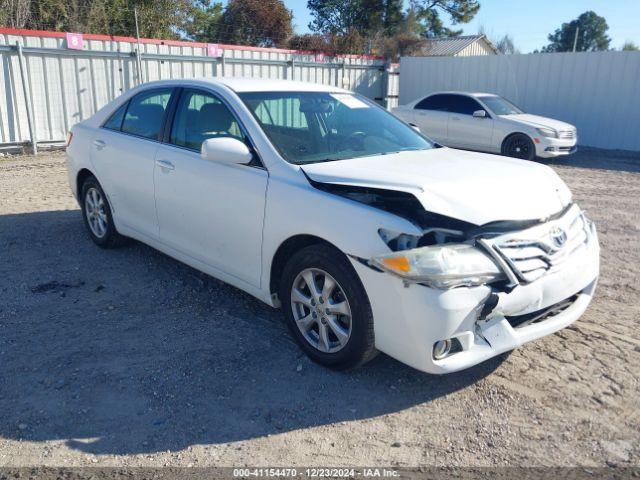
319,201
488,123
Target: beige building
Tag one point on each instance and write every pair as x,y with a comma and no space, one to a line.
464,46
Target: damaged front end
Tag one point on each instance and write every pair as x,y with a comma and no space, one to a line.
504,258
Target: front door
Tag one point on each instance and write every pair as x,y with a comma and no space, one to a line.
210,211
465,130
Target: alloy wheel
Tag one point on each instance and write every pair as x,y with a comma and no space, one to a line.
519,148
321,310
94,208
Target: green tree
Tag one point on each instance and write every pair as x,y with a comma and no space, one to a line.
393,16
14,13
629,46
338,17
202,20
367,17
592,35
264,23
157,18
428,15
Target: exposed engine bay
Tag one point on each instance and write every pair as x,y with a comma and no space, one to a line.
437,229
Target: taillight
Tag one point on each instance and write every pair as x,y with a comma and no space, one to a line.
69,137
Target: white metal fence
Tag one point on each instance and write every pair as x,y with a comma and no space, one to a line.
47,87
599,92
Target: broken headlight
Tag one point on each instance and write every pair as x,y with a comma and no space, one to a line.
441,266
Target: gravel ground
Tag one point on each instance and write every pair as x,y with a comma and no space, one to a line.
129,358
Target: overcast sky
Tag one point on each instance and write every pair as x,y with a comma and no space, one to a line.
529,22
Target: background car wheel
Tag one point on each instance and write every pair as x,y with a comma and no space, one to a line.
97,215
519,145
326,308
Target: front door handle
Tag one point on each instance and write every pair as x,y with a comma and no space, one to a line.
99,144
455,118
165,165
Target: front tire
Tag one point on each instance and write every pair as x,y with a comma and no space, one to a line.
520,146
97,215
327,309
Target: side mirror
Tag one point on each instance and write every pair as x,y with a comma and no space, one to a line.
225,150
480,114
415,127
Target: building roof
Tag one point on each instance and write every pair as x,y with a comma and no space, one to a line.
444,47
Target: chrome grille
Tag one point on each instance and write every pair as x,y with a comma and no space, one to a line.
568,134
533,252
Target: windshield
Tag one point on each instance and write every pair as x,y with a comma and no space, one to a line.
309,127
500,106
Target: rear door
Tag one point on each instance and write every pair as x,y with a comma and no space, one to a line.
123,154
465,130
431,115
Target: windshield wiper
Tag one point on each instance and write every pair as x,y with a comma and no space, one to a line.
321,160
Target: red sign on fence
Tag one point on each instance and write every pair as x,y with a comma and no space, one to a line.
75,41
319,57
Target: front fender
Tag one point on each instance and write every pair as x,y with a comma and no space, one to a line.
293,208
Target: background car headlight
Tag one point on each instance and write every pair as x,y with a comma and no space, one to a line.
441,266
547,132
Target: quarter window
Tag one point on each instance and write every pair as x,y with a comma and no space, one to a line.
200,116
145,114
115,121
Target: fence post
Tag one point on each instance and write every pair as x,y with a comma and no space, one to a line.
23,76
293,68
385,84
222,62
138,65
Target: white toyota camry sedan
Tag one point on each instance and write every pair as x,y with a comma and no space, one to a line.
488,123
318,201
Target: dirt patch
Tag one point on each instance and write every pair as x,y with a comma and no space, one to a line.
129,358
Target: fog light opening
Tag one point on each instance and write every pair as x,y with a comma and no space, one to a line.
441,349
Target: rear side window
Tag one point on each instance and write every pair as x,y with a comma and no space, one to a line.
463,105
434,102
115,121
145,114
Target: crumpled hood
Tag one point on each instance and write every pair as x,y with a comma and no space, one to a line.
474,187
537,121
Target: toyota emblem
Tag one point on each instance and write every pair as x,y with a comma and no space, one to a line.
558,236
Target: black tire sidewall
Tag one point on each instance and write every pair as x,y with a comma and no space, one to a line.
111,237
360,346
512,138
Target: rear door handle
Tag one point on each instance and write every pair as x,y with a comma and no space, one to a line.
165,165
455,118
99,144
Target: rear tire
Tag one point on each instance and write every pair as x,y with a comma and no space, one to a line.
520,146
97,215
343,314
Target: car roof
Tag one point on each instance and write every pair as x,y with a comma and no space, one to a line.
471,94
251,84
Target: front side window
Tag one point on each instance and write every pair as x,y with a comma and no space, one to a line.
199,116
463,105
309,127
145,114
500,106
